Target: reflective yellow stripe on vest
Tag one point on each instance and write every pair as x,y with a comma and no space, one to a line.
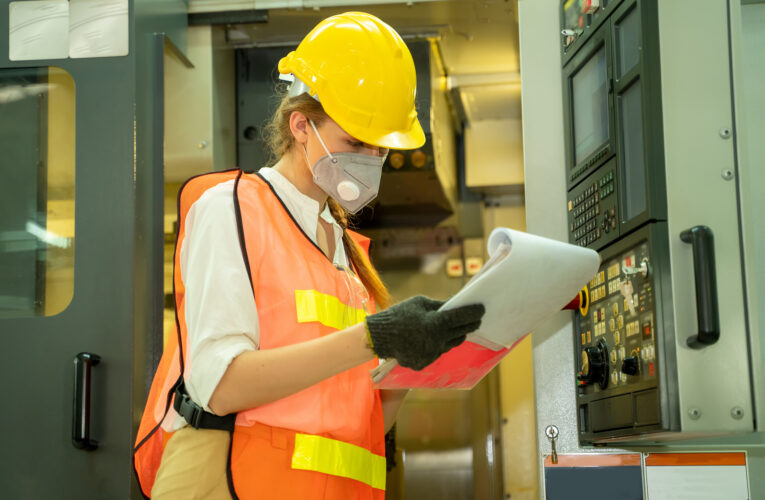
326,309
337,458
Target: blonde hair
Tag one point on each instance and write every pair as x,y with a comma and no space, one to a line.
280,141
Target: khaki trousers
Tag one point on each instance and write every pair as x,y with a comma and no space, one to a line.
193,466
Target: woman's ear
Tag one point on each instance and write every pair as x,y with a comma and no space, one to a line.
299,127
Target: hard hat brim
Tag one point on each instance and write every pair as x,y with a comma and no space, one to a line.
409,139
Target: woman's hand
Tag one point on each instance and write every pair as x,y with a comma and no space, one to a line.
416,333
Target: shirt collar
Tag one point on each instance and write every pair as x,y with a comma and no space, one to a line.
305,210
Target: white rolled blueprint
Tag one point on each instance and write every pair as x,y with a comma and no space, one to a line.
527,279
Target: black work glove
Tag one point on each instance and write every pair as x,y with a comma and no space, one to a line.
415,333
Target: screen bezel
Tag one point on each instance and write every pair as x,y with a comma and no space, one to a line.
600,39
592,23
647,72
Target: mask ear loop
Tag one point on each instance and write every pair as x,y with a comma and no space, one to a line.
313,125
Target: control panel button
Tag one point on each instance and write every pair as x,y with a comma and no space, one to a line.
631,365
647,330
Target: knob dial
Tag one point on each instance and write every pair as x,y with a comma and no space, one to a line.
631,365
594,365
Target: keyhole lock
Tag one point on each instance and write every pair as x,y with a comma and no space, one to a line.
551,431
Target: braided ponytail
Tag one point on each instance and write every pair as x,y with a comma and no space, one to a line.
367,273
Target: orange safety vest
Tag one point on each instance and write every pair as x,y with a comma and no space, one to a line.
332,433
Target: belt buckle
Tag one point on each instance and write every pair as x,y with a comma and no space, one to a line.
191,411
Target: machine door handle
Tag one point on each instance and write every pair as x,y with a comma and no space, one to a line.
83,363
703,245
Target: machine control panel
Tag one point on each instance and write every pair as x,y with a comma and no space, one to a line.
593,209
616,345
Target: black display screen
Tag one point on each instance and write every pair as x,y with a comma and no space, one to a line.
590,106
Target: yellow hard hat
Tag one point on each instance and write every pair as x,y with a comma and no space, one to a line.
363,74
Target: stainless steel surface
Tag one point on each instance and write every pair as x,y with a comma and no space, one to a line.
716,378
198,6
199,130
747,40
541,96
543,155
475,36
449,442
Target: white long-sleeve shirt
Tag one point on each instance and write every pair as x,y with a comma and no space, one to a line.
221,314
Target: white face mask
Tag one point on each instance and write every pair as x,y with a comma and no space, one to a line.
352,179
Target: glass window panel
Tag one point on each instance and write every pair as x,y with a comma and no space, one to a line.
590,106
633,168
628,42
36,192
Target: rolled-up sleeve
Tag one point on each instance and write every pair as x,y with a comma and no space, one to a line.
221,315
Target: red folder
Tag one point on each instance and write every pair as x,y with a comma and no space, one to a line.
461,368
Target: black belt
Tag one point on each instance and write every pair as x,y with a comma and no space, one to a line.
196,416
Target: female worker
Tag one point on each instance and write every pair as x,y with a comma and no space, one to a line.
265,392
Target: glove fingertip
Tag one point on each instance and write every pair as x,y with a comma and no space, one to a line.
432,304
451,344
475,311
467,328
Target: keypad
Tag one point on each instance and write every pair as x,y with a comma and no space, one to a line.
587,218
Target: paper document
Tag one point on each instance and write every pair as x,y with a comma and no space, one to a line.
526,279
